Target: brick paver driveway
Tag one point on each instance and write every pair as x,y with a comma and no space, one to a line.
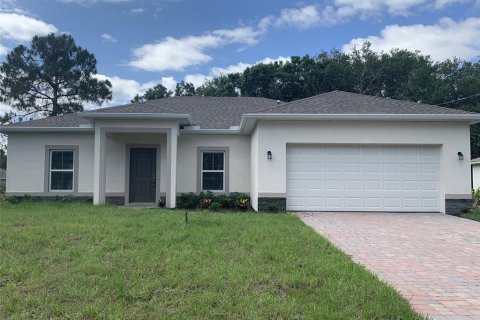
433,259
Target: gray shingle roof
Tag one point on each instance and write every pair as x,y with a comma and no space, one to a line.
207,112
340,102
61,121
223,112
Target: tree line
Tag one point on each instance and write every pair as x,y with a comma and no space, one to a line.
55,76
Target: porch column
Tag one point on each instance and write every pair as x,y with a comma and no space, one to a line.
171,193
99,176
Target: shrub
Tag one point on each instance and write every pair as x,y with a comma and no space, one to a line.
188,201
161,203
68,199
224,201
466,210
3,187
476,197
11,199
235,198
215,206
205,203
206,195
273,208
244,203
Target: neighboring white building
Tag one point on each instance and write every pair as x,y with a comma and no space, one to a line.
475,173
337,151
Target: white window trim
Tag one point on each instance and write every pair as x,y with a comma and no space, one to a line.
61,170
222,171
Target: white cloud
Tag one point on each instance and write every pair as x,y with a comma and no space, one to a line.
367,7
301,18
234,68
18,28
197,79
123,90
439,4
5,108
241,66
340,11
442,40
169,83
108,38
137,10
179,53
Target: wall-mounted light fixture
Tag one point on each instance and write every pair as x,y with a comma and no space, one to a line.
269,155
460,155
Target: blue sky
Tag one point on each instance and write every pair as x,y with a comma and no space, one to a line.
139,43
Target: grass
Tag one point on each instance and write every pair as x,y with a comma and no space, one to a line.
76,261
472,215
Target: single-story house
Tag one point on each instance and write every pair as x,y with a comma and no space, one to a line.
475,173
336,151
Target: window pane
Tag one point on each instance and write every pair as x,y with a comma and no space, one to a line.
56,161
212,181
62,180
67,159
207,161
218,161
62,160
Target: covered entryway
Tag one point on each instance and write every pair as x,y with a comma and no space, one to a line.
363,178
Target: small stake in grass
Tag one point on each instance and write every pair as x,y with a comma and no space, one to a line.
186,217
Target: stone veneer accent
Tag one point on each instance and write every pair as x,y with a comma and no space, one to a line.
116,200
454,207
264,202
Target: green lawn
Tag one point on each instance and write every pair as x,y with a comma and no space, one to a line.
472,216
74,261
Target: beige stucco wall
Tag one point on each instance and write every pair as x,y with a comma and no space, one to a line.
26,160
451,137
250,171
27,176
239,152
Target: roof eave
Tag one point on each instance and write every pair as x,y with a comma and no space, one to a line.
249,119
210,131
182,118
8,129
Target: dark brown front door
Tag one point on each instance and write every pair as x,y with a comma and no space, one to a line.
143,174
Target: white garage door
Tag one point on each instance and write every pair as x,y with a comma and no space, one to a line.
363,178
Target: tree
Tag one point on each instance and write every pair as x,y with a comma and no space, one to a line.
184,89
157,92
223,86
51,77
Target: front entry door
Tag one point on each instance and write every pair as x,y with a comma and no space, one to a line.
143,174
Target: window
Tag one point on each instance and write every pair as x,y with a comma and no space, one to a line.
61,170
213,171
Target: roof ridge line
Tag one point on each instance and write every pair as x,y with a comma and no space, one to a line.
303,99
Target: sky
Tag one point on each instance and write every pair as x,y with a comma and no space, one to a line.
139,43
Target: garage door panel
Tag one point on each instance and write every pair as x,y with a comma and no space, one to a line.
371,178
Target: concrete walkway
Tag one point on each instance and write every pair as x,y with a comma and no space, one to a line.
432,259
